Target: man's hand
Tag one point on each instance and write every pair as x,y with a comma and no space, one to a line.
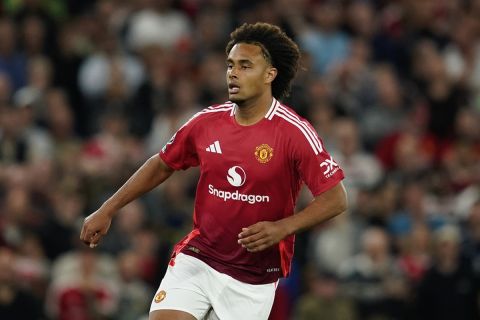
261,235
95,227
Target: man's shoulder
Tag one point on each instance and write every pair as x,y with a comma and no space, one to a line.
287,117
226,107
296,127
216,110
211,112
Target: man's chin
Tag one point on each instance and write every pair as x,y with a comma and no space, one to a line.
235,99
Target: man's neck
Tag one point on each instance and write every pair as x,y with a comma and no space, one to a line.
250,113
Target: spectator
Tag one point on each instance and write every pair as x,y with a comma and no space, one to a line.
108,80
184,97
83,286
134,293
12,62
14,149
372,278
362,170
324,300
414,253
471,241
449,289
6,90
332,245
157,23
324,40
387,112
15,303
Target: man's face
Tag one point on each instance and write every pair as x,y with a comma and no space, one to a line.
248,73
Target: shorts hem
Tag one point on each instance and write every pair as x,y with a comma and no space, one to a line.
174,309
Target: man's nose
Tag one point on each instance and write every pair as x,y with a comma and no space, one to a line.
232,73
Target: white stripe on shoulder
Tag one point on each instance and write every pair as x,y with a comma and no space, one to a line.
313,135
223,105
216,110
271,111
314,147
220,108
277,104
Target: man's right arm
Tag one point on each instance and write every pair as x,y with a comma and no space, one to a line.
152,173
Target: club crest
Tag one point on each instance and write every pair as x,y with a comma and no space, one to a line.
160,296
263,153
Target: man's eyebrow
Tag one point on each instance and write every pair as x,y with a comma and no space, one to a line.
241,61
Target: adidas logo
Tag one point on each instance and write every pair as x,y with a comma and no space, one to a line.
214,147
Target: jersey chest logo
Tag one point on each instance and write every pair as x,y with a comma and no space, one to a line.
263,153
236,176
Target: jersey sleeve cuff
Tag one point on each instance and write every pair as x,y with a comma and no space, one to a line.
331,183
168,162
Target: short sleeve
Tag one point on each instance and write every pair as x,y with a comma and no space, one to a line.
179,153
315,165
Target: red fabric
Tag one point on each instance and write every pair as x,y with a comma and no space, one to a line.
76,304
179,247
413,268
248,174
281,305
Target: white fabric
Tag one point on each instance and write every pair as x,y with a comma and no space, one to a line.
149,27
194,287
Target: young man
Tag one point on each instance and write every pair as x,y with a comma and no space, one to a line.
254,154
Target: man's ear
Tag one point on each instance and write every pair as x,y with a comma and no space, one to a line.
271,74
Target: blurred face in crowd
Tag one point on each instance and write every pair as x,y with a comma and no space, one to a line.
7,37
9,121
361,18
447,245
6,266
375,244
347,136
326,15
34,33
40,73
474,222
420,239
249,74
5,89
388,87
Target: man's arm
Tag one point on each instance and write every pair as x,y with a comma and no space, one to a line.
264,234
152,173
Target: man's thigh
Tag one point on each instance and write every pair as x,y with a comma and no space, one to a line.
170,315
238,300
181,293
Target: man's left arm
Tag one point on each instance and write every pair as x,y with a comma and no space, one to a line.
325,206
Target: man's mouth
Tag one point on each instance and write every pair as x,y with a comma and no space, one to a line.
233,88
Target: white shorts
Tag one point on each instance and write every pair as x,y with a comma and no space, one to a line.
193,286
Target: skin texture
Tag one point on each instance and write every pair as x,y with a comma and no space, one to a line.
170,315
249,77
264,234
248,69
153,172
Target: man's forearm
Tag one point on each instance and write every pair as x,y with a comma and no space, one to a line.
322,208
264,234
152,173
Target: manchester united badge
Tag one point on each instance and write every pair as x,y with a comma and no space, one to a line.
160,296
263,153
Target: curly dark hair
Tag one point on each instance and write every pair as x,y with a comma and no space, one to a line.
277,48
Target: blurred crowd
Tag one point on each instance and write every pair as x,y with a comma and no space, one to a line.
90,89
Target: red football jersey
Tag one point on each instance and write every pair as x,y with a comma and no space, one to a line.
247,174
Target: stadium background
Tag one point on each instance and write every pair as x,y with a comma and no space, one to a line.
90,89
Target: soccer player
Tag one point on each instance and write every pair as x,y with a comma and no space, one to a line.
254,153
